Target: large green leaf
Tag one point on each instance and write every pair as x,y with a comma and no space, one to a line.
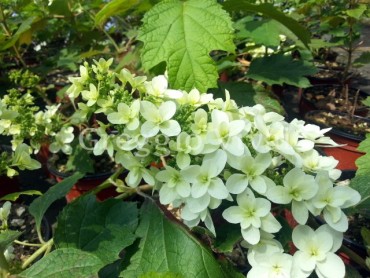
280,69
63,263
101,228
269,11
182,34
168,247
39,206
114,7
257,30
361,182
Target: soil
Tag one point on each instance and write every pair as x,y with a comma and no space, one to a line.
354,125
21,220
336,99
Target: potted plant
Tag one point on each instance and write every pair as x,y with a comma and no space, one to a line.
344,22
245,162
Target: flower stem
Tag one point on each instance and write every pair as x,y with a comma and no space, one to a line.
108,182
43,249
27,243
354,256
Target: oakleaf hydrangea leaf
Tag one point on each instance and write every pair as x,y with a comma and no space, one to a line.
166,246
65,262
182,34
280,69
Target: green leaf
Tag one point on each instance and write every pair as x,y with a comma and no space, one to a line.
257,30
270,11
65,262
362,60
227,236
161,275
114,7
182,34
366,101
100,228
361,181
14,196
243,93
270,102
357,12
39,206
25,26
280,69
6,238
168,247
80,160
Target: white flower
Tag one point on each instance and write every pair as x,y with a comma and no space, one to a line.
90,95
252,169
127,115
102,65
204,178
158,87
137,171
77,83
105,142
314,162
222,131
330,200
192,219
185,145
200,125
136,82
270,137
271,265
159,119
174,185
298,188
253,214
62,141
316,251
195,98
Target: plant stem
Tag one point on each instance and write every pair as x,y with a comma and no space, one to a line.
132,191
8,33
43,249
108,182
354,257
350,47
27,243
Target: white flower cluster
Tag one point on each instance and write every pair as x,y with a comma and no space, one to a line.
19,119
212,152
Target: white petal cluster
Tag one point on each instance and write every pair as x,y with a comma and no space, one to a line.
209,152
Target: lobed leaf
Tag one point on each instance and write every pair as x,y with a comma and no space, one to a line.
182,34
101,228
168,247
65,262
280,69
